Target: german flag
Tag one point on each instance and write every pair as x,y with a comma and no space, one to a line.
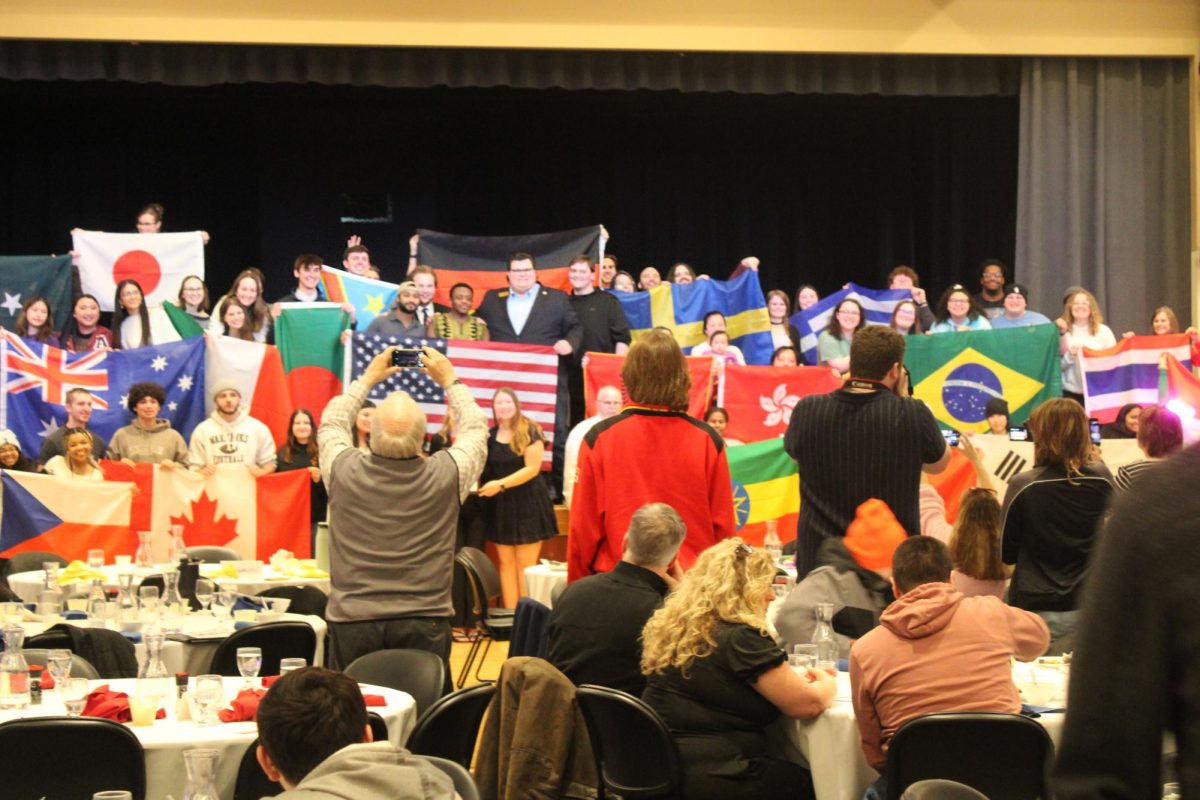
482,261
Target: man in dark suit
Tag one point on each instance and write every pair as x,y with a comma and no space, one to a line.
529,313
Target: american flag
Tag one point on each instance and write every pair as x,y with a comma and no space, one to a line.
528,369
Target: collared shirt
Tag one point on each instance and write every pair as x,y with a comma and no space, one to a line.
519,306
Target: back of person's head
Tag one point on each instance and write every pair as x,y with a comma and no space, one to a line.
397,427
975,541
656,373
1160,432
919,560
874,350
307,716
1061,437
655,532
874,535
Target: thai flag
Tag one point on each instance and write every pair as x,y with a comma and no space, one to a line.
877,303
1128,372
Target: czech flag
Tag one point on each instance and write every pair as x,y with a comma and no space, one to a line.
62,516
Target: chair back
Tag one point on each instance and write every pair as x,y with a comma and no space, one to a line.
941,790
305,599
379,728
252,782
208,554
154,580
636,756
529,629
278,640
80,666
482,571
448,728
464,784
418,672
27,562
1003,756
104,755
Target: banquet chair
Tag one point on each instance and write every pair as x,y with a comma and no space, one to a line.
208,554
80,666
1004,756
278,640
103,755
252,783
27,562
636,756
493,623
530,629
419,672
305,599
448,728
464,784
379,728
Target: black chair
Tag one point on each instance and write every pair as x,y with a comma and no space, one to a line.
530,629
379,728
305,599
278,640
418,672
211,555
493,623
27,562
1004,756
464,784
104,755
154,580
941,790
636,756
448,728
80,666
252,782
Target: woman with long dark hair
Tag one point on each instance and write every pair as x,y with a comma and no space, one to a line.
958,311
300,452
833,345
35,321
246,291
83,332
136,324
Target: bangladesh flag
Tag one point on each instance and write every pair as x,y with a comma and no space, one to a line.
23,277
482,261
956,374
766,487
308,336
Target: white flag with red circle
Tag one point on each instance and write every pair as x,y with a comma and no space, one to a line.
157,261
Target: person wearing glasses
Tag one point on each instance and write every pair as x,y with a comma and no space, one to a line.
833,345
991,288
957,311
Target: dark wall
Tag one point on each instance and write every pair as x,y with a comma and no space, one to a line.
823,189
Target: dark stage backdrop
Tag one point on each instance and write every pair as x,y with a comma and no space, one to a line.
824,189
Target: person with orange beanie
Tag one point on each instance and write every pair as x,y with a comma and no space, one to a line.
854,576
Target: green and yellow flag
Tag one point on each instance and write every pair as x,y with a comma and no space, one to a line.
766,483
956,374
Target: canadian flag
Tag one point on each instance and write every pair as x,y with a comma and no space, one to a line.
230,508
158,262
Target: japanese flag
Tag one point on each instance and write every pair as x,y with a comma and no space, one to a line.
158,262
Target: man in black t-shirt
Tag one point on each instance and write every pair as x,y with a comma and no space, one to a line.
865,440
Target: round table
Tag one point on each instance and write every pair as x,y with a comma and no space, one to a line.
541,580
165,741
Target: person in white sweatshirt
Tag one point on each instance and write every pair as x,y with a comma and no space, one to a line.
231,436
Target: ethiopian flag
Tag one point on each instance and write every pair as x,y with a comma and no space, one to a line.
956,374
766,486
308,336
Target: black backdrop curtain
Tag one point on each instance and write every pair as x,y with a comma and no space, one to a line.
823,188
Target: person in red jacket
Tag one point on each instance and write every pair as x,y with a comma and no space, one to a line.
651,452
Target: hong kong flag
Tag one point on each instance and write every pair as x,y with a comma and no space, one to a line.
759,400
158,262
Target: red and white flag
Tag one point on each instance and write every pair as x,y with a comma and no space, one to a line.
158,262
604,369
759,400
257,370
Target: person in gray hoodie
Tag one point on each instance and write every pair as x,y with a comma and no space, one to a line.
231,436
148,439
314,739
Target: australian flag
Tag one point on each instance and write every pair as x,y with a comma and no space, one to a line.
36,378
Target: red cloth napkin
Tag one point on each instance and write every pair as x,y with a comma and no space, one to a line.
47,680
269,679
244,707
374,700
107,704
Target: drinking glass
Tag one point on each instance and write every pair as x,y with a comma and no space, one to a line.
210,693
14,613
155,690
95,559
51,570
59,664
286,665
249,662
74,694
148,602
204,592
223,603
50,603
803,656
116,794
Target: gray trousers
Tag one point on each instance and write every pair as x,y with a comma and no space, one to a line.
349,640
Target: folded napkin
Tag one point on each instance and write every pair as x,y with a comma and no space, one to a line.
47,680
226,571
374,700
107,704
244,707
245,603
296,568
78,572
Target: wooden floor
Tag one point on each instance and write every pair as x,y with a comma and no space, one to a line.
491,665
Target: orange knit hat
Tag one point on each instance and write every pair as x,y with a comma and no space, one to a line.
874,535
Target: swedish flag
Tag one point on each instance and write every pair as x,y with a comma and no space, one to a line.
955,374
681,307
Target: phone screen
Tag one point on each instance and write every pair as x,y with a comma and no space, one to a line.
405,358
1018,435
1094,425
951,437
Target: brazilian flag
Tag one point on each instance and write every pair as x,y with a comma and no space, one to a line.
955,374
766,482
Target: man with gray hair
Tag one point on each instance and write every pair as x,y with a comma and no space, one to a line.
393,515
596,626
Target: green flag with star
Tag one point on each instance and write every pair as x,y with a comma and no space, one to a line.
24,277
956,374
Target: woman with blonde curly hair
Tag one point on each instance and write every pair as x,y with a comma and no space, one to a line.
1081,325
717,678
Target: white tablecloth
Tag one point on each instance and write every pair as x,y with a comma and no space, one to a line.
540,581
28,585
166,740
830,746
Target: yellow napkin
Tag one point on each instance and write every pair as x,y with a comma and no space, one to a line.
226,571
78,572
295,568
